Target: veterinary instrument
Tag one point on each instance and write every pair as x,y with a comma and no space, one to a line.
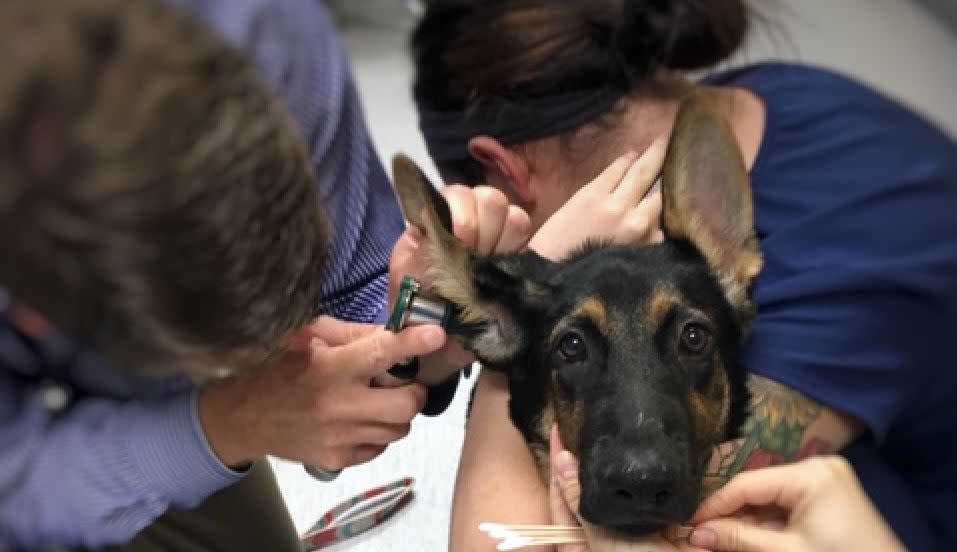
412,308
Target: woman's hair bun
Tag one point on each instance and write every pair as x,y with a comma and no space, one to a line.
679,34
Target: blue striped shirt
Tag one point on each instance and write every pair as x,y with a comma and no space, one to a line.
116,459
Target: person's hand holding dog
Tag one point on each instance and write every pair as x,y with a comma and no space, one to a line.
314,404
809,506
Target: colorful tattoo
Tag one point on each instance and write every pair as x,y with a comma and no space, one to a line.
774,433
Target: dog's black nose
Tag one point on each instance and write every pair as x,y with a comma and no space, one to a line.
641,482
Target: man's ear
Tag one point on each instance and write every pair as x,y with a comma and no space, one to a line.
706,195
493,294
504,168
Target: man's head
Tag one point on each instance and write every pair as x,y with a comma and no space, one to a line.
156,202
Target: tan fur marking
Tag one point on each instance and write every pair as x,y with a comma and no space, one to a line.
711,407
594,309
568,416
591,308
658,306
541,454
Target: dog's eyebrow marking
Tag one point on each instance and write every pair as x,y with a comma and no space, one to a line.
661,302
593,309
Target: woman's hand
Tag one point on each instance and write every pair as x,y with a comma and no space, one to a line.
564,495
485,222
619,205
811,506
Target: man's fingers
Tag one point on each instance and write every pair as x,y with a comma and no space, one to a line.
373,354
393,405
301,339
641,175
375,434
730,535
334,332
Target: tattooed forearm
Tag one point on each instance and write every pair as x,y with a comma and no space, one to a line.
776,431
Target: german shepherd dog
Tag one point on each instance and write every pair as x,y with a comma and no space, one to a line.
632,350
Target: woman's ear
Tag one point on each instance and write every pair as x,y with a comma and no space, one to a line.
505,169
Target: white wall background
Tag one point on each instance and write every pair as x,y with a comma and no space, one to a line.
895,45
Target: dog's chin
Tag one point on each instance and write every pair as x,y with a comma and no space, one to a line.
629,524
641,529
634,523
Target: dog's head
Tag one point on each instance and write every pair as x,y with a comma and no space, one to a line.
631,350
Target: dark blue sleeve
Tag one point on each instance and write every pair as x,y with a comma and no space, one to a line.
853,309
856,208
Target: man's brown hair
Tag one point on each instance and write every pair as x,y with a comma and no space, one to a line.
156,202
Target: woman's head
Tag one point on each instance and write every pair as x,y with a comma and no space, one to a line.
156,202
521,92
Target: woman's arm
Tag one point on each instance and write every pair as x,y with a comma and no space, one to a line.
784,425
497,479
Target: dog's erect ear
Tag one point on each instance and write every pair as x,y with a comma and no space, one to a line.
706,195
450,260
492,293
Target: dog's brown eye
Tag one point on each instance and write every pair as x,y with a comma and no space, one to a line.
572,348
695,339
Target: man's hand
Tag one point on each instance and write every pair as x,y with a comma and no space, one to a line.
315,405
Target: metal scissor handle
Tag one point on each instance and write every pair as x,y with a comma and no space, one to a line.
358,514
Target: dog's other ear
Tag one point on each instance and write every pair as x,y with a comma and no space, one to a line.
706,196
491,293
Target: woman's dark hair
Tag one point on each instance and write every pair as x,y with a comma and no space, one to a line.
156,201
472,54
